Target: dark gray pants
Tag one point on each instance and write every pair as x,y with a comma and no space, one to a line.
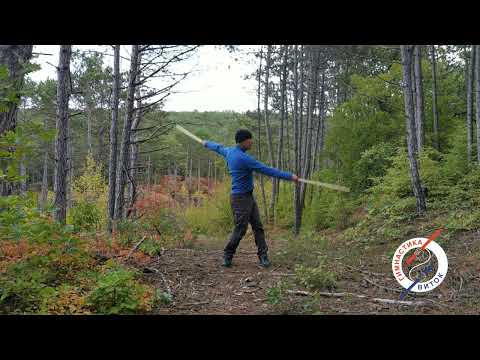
245,210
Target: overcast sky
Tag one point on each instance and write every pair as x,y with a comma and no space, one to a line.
216,84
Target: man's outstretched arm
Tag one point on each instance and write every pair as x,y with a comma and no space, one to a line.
258,166
218,148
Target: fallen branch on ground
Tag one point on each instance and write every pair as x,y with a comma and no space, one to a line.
377,300
136,247
196,303
381,286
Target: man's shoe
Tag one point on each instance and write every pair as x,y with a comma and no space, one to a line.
264,261
227,262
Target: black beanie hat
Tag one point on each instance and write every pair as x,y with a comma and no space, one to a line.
241,135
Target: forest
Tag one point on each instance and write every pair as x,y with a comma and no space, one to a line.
106,208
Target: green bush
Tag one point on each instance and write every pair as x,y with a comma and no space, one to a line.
304,249
327,208
85,216
373,163
214,217
315,278
276,294
117,292
27,286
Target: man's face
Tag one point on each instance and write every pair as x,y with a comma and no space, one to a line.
246,144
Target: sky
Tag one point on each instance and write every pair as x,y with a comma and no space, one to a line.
216,83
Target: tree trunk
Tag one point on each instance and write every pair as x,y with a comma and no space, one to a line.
132,183
301,108
319,135
436,141
63,96
312,93
276,189
112,168
149,174
44,191
209,175
125,145
14,58
69,168
198,175
296,140
89,114
419,110
407,54
23,174
477,89
259,141
268,129
470,76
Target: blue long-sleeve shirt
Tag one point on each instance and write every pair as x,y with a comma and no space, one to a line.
241,165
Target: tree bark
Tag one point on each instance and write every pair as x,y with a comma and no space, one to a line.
70,168
63,97
125,145
436,141
132,185
14,58
268,129
419,103
23,174
276,189
296,140
319,135
477,89
259,141
112,168
470,76
44,190
312,94
407,54
89,113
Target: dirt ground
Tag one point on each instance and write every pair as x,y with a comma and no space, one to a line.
199,285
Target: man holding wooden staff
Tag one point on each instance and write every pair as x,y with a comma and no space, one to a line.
245,208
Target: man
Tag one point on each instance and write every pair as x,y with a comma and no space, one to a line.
245,208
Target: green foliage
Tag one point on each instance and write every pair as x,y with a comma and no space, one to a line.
21,219
170,230
328,208
315,278
373,163
214,217
90,198
304,249
31,284
117,292
26,287
392,195
164,298
85,216
277,293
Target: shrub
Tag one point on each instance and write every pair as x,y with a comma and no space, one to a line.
214,217
315,278
117,292
85,216
327,208
27,287
89,194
